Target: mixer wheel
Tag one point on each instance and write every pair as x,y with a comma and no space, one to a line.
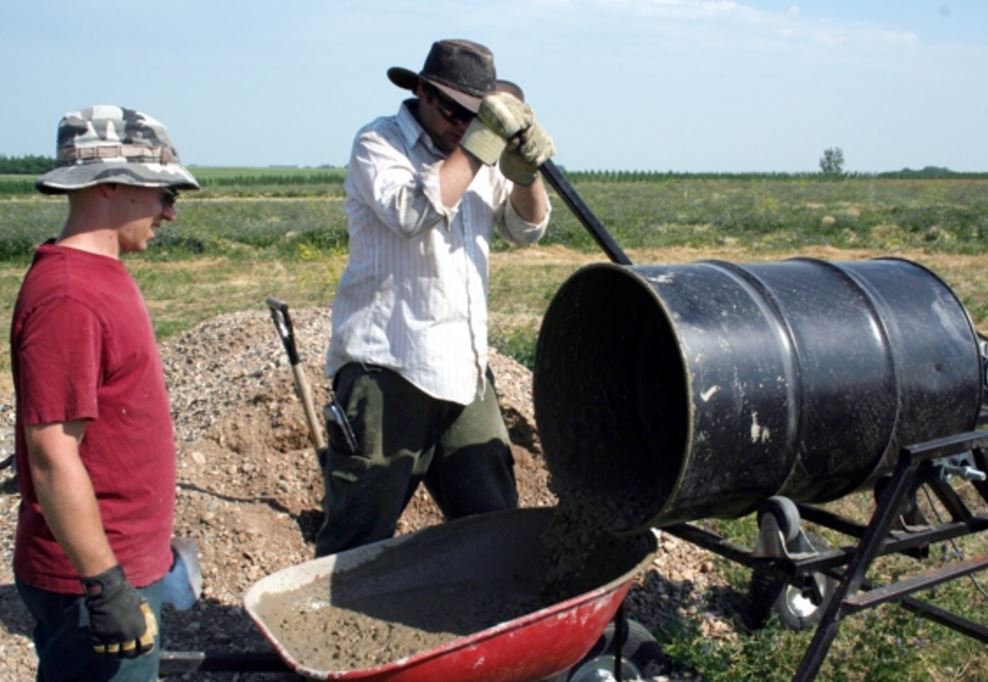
786,515
797,607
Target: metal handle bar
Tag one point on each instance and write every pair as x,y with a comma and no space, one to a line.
558,181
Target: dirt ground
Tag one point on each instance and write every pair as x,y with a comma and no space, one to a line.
249,490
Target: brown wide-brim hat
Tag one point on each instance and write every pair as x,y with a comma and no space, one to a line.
461,69
510,87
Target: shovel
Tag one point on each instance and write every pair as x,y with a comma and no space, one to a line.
183,582
342,436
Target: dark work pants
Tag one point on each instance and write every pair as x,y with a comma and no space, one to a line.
405,437
65,651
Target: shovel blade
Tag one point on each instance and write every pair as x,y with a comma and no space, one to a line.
183,582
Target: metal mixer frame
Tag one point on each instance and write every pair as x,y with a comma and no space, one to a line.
930,463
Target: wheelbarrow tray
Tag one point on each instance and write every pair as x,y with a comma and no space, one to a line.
500,547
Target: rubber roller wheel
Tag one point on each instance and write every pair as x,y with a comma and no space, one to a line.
786,515
797,608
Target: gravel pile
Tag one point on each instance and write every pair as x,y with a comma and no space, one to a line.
249,489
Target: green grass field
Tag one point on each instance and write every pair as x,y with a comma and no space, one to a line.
942,223
253,233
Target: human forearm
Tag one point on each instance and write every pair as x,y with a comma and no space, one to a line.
455,175
66,495
530,201
404,194
121,622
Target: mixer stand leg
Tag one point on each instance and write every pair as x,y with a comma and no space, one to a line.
893,499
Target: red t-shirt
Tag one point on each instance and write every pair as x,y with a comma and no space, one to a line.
82,347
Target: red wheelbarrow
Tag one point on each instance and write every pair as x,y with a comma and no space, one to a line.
500,549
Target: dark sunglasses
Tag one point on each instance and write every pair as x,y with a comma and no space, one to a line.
168,198
453,112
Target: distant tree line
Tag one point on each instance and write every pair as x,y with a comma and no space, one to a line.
29,164
658,176
831,167
273,179
930,172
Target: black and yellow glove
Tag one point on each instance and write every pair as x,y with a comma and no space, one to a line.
121,622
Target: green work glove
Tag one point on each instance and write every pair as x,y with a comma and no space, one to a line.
121,623
501,116
522,157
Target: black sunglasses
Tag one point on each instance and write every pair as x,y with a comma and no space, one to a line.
168,197
453,112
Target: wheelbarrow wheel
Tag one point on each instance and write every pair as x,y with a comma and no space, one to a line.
796,608
641,658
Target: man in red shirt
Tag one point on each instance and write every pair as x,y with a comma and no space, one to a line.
94,436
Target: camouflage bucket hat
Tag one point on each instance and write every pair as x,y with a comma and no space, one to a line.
461,69
103,144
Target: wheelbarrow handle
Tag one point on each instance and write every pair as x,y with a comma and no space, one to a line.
283,323
558,181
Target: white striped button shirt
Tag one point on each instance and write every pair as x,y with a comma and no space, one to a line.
413,297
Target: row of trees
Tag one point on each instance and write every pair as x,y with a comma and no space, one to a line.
32,164
831,164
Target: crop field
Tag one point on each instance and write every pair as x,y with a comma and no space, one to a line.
290,236
253,233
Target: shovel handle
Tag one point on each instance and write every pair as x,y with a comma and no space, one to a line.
283,323
558,181
308,406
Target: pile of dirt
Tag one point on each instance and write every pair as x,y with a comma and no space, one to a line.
249,489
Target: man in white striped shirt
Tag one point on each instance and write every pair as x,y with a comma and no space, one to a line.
426,188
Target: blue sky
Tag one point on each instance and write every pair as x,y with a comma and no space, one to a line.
683,85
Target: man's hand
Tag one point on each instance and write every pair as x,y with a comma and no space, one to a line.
121,623
501,116
525,153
